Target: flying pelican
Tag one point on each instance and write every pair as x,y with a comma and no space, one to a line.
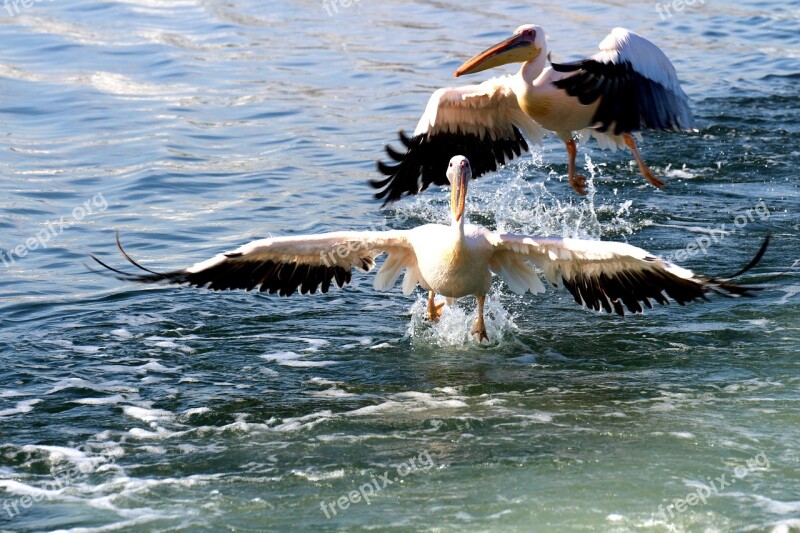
628,86
455,260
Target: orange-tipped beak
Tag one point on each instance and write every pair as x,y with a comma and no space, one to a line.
458,194
515,49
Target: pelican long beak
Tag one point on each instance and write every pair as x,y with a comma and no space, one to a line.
515,49
458,193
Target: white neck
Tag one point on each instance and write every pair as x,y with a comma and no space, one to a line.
458,225
532,69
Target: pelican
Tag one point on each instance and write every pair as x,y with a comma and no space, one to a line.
628,86
456,261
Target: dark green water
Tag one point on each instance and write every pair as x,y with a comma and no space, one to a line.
194,126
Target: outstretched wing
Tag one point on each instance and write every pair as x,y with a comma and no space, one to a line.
635,82
482,122
285,265
607,276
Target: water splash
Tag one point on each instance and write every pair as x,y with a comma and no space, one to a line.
453,328
511,203
517,202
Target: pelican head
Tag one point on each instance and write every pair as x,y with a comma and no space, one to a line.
525,45
459,173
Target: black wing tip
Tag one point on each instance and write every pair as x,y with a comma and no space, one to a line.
272,277
427,154
566,67
604,295
756,259
395,185
151,276
724,287
628,99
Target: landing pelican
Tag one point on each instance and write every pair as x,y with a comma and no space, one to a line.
628,86
455,260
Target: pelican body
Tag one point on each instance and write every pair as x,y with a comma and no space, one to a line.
627,87
455,260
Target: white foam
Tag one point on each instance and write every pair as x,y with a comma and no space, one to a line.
679,173
22,489
156,450
455,324
293,359
107,400
777,506
159,433
86,462
155,366
141,516
323,381
122,333
539,417
332,392
279,357
786,526
319,476
790,292
25,406
308,364
303,422
148,415
86,349
57,453
314,344
494,401
162,342
195,411
79,383
407,402
382,346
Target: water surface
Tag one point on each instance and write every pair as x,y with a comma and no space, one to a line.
194,126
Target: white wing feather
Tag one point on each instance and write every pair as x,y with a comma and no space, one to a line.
646,58
608,276
344,248
565,258
489,108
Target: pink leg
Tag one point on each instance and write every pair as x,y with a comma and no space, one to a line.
646,172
